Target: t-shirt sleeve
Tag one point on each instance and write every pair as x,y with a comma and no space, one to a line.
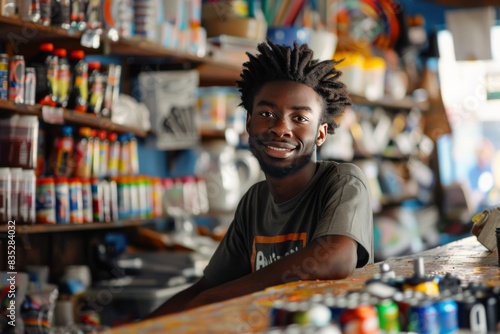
231,259
348,212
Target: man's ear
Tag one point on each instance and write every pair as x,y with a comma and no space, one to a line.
247,124
322,132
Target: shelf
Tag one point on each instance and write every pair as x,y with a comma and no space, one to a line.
70,117
49,228
21,34
386,103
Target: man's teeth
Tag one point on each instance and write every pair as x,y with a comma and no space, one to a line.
278,148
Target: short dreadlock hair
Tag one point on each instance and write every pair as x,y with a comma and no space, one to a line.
281,62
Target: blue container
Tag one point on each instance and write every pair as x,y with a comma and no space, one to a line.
287,35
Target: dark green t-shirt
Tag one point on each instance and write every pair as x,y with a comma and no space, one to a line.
336,202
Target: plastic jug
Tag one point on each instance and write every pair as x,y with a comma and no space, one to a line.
228,174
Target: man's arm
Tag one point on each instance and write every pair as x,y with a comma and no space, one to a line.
327,257
179,302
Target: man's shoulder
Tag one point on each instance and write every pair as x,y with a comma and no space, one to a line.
344,169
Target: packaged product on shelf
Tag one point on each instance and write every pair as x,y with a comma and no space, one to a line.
124,160
61,161
75,201
45,12
113,199
46,65
61,13
30,86
97,200
94,170
16,175
62,200
134,155
63,78
83,153
87,215
113,154
4,195
112,89
123,197
78,96
45,200
374,78
157,197
33,11
27,196
96,89
77,15
23,145
134,196
106,200
16,79
4,76
40,155
103,153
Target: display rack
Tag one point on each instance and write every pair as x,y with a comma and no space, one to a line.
48,228
70,117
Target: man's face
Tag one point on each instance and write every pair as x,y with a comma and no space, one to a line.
284,127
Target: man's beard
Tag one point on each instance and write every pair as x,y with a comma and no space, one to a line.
281,172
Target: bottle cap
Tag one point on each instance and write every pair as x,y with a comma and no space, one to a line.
77,54
47,47
61,53
94,65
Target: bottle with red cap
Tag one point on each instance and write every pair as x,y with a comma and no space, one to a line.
63,77
78,96
96,89
46,65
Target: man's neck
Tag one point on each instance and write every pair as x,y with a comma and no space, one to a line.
286,188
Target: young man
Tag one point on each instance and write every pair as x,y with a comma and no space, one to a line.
308,220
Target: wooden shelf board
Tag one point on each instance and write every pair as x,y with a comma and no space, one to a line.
49,228
71,117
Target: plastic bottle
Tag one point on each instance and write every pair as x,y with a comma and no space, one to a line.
124,160
87,201
4,195
61,13
40,154
77,15
134,155
94,170
96,89
23,151
103,153
78,96
62,154
45,201
16,175
75,201
46,66
63,78
27,198
83,152
62,200
113,154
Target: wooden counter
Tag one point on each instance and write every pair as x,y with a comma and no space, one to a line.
466,259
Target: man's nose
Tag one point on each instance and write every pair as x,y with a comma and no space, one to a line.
281,127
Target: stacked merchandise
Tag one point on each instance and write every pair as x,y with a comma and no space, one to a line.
394,304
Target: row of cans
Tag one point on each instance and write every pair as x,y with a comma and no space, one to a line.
59,200
17,82
79,200
17,195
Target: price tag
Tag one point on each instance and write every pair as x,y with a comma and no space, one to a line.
53,115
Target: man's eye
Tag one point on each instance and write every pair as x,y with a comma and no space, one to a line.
266,113
301,119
